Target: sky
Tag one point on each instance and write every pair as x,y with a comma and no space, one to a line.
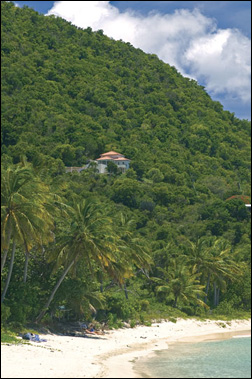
209,41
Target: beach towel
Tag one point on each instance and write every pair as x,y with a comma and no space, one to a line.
33,337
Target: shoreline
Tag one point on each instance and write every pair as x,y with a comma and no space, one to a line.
113,364
111,355
121,364
141,371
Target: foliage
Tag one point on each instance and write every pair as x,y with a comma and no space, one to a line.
175,237
5,313
8,337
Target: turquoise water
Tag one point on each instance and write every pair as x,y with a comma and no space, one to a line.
230,358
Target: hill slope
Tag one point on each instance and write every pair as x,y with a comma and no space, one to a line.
76,87
72,94
69,95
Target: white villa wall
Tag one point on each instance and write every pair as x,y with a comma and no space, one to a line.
112,156
102,167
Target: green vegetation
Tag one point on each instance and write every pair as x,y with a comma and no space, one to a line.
8,336
168,238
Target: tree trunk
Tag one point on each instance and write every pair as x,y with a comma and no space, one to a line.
175,301
207,288
215,294
26,264
218,297
125,291
5,251
101,282
46,306
10,271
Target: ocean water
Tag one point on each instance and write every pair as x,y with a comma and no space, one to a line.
229,358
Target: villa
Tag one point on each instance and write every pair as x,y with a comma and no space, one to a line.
112,156
102,163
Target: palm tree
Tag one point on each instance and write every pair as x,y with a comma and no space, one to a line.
12,183
25,219
211,259
201,259
226,268
180,284
90,237
134,248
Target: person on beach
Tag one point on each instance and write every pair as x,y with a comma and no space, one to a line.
88,330
91,330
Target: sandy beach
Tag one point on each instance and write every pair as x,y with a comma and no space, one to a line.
111,355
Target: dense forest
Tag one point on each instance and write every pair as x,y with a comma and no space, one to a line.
169,237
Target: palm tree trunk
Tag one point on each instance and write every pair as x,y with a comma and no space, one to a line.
218,297
215,294
26,264
46,306
126,291
207,287
101,282
5,251
175,301
10,271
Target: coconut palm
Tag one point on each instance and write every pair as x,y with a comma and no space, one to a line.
180,284
90,237
226,267
137,251
211,259
12,183
133,247
24,217
202,260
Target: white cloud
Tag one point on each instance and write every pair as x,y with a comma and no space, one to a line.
223,61
185,39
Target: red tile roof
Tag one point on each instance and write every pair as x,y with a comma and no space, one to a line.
121,159
111,153
113,159
104,158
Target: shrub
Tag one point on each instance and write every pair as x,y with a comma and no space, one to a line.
5,314
132,323
188,310
122,308
144,305
201,312
112,320
225,308
172,319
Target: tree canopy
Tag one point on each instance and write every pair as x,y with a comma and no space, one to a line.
69,95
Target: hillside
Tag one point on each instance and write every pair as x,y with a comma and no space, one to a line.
69,95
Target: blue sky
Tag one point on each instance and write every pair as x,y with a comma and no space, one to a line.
209,41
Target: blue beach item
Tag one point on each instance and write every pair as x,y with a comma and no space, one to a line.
33,337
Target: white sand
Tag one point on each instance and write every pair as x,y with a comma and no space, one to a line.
107,356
